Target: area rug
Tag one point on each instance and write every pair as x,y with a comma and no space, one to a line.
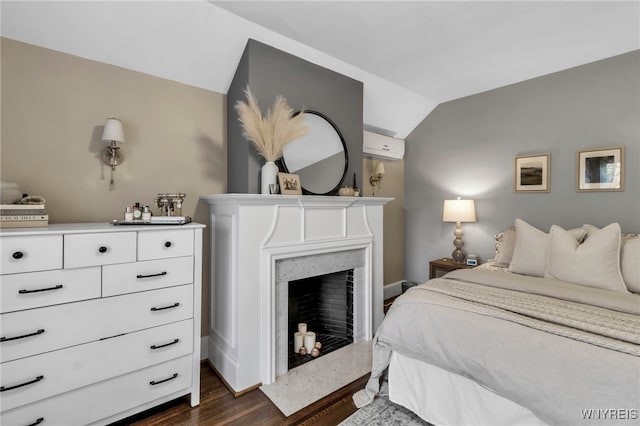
382,412
304,385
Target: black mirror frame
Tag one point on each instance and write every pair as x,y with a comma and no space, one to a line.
283,166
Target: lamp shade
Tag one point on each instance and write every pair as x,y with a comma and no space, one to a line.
113,131
459,211
379,169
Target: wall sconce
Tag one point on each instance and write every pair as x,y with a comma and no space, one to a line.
377,176
112,155
459,211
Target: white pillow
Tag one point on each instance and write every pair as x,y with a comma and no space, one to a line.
530,251
505,243
629,258
590,229
630,262
594,263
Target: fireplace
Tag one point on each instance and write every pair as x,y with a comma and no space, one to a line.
324,304
327,292
261,246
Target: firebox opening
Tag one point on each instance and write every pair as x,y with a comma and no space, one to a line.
325,304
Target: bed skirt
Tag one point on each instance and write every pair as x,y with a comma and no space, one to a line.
443,398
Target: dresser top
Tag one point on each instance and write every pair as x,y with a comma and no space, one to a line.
83,228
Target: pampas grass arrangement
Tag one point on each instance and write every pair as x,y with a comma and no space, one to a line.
272,132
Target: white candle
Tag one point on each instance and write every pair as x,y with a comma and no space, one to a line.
298,341
309,340
302,327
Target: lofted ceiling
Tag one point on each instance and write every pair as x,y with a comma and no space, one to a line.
445,50
410,55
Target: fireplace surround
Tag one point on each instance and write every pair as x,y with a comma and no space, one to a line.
261,243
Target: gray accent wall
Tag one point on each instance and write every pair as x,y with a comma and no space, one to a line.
270,72
466,148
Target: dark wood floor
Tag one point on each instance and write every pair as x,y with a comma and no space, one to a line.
219,407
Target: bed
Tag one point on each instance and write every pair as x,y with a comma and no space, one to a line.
551,338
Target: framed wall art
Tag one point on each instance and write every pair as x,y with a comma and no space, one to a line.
600,169
289,184
532,173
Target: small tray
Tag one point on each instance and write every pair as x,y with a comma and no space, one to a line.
177,221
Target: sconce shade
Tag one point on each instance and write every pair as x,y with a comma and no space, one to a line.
113,131
459,211
377,176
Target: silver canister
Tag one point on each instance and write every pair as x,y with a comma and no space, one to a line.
170,203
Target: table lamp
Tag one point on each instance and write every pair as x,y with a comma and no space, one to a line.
458,211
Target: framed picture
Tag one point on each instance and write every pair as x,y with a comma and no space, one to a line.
289,184
532,173
600,169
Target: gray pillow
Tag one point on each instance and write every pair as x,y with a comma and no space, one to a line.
594,263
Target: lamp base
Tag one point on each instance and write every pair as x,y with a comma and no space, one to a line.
458,255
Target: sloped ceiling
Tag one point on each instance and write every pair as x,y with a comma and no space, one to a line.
409,55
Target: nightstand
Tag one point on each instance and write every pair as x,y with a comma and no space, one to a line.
439,267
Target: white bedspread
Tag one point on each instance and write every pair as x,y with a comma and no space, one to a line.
553,347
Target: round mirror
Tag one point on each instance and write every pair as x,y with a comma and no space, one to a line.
319,157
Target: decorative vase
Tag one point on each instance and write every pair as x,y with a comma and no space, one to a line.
10,192
268,176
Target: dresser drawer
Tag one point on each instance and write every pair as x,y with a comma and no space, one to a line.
35,289
101,400
164,244
30,253
99,249
31,332
34,378
141,276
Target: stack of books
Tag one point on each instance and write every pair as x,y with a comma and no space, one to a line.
23,215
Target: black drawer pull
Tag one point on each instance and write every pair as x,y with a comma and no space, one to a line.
165,345
175,305
102,249
37,422
17,255
151,275
8,339
57,287
167,244
153,382
36,380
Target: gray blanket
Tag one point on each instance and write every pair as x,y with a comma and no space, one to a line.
565,352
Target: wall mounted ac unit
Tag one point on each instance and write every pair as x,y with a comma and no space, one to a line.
384,147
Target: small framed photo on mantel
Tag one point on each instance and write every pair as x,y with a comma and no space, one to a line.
289,184
532,173
600,169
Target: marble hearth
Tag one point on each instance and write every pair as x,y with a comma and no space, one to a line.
259,243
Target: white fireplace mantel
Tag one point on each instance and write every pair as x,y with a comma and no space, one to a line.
249,234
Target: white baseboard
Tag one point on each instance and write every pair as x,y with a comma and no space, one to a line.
204,347
392,290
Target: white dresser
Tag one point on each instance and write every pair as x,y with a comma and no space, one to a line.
98,322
